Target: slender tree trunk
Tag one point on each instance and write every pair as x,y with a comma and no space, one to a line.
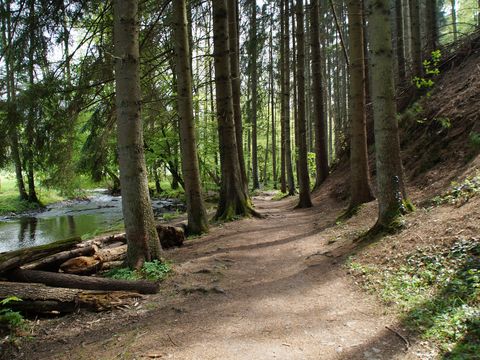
391,191
283,176
321,152
402,76
454,19
416,37
286,94
233,197
253,92
272,106
432,30
360,191
142,237
197,216
303,175
30,131
235,68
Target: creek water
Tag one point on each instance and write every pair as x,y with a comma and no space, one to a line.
96,214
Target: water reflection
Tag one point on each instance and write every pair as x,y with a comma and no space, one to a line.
99,213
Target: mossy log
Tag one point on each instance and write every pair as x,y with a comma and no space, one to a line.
81,282
14,259
40,299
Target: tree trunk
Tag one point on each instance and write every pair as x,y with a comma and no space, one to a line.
321,152
283,175
236,92
272,105
391,191
143,242
253,92
360,191
233,197
286,95
454,19
416,44
197,215
32,194
303,175
402,76
81,282
432,29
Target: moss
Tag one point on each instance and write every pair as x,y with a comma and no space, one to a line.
348,213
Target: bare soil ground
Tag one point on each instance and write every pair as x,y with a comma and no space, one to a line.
251,289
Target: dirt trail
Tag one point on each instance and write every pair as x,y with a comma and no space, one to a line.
251,289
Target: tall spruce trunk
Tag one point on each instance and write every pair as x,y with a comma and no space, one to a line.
197,216
30,129
272,105
286,95
454,19
360,191
142,238
414,8
432,29
321,152
253,92
283,174
236,93
233,200
303,175
391,191
402,75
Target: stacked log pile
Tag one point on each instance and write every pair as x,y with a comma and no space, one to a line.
64,276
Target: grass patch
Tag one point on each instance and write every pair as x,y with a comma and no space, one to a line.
438,291
279,196
10,201
152,270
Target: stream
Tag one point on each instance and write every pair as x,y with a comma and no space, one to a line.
98,213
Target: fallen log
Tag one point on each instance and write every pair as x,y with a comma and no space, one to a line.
92,264
14,259
40,299
53,262
81,282
109,265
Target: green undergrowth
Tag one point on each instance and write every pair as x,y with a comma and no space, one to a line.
9,319
279,196
438,292
460,193
152,270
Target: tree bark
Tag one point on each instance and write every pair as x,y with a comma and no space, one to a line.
197,215
286,96
236,92
143,242
233,200
81,282
253,92
283,175
454,19
402,76
360,191
432,29
53,262
321,152
303,175
391,190
416,44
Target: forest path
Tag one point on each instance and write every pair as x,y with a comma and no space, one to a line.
250,289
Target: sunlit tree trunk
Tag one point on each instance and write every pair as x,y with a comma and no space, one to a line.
454,19
303,176
253,91
235,69
391,190
283,174
197,216
142,238
321,152
234,200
